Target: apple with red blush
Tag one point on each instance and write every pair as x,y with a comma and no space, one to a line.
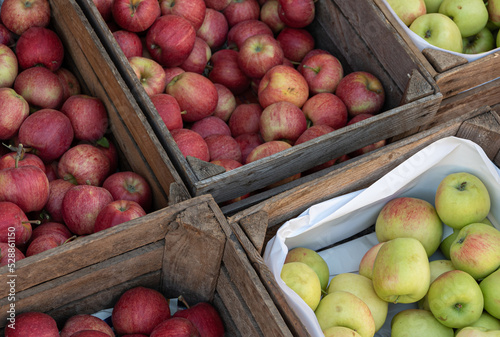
12,216
89,333
245,29
149,73
129,185
9,254
295,42
9,67
190,143
171,72
191,10
51,170
39,46
49,228
15,159
107,146
71,85
225,70
282,121
198,58
270,16
15,109
32,323
223,147
245,119
283,83
323,73
175,327
218,5
296,13
129,42
18,16
81,322
57,190
169,110
226,102
40,87
211,125
116,213
214,29
135,15
248,142
325,108
7,37
45,242
258,54
241,10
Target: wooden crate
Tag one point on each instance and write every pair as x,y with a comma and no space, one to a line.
185,249
412,99
255,225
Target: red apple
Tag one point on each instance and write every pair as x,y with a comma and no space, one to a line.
362,93
283,83
282,121
13,159
135,15
226,102
190,143
7,37
139,310
223,147
241,10
170,40
258,54
227,164
150,74
245,29
191,10
128,185
295,42
196,95
81,322
89,333
39,46
40,87
15,109
171,72
205,318
211,125
57,190
9,255
226,71
245,119
198,58
84,164
18,16
81,205
51,170
108,147
104,7
217,5
323,73
32,324
296,13
88,116
69,82
312,53
117,212
175,327
129,42
248,142
169,110
9,66
314,132
49,228
369,147
325,108
48,133
45,242
214,29
270,16
14,224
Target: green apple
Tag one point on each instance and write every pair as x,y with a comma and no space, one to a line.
401,272
485,321
480,42
470,15
408,10
491,293
455,299
362,287
493,8
366,263
438,30
313,260
462,198
477,332
445,245
304,281
418,323
410,217
342,308
432,6
476,250
437,267
498,40
340,331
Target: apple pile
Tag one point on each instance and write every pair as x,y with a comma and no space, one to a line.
238,80
458,295
59,175
462,26
139,312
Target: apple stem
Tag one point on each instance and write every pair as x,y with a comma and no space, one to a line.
309,67
33,222
70,239
183,300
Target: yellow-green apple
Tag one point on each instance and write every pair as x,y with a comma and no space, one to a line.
84,164
282,121
325,109
71,85
477,332
480,42
9,255
191,10
270,16
135,15
438,30
369,147
226,102
437,267
169,110
362,93
39,46
139,310
149,73
15,110
368,259
241,10
462,198
248,142
195,93
175,326
418,322
342,308
57,190
455,299
476,250
170,40
491,293
485,321
116,213
129,185
283,83
258,54
190,143
33,323
241,31
245,119
211,125
205,318
9,66
104,8
48,132
226,71
408,10
304,281
14,224
432,6
40,87
410,217
401,272
445,245
362,287
214,29
340,331
313,260
296,13
198,58
296,43
322,72
45,242
82,322
20,158
311,133
223,147
18,16
470,15
217,5
129,42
